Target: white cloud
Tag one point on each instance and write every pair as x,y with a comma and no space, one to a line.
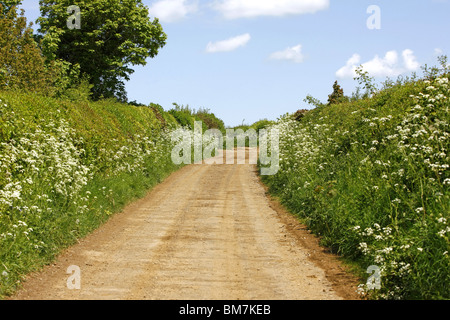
172,10
410,60
229,44
234,9
348,71
388,66
293,54
438,52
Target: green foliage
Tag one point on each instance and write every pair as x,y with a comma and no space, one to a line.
432,72
187,117
67,81
210,119
248,133
262,124
21,62
166,119
313,101
300,114
24,68
7,5
67,162
114,35
338,94
183,115
371,178
66,167
367,82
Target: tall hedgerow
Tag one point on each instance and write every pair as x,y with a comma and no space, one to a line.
65,168
371,177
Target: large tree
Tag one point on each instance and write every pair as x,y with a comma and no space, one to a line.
112,36
7,5
21,62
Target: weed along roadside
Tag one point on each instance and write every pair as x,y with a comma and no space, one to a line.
371,177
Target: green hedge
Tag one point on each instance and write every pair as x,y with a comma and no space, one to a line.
372,178
66,167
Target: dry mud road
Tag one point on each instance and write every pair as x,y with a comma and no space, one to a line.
208,232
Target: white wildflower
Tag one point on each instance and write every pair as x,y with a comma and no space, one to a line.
442,220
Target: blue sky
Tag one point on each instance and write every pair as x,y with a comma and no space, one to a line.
247,60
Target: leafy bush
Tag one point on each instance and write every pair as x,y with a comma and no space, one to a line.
210,120
68,82
261,124
186,117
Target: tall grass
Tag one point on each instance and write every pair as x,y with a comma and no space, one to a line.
372,178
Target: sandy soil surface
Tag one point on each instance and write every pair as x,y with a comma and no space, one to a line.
208,232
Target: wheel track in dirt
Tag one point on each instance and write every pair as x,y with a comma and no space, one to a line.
206,232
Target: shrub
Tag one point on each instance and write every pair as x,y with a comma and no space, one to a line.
338,94
186,117
210,119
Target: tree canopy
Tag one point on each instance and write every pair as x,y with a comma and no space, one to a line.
7,5
114,35
21,63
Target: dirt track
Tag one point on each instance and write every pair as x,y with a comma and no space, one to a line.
209,232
